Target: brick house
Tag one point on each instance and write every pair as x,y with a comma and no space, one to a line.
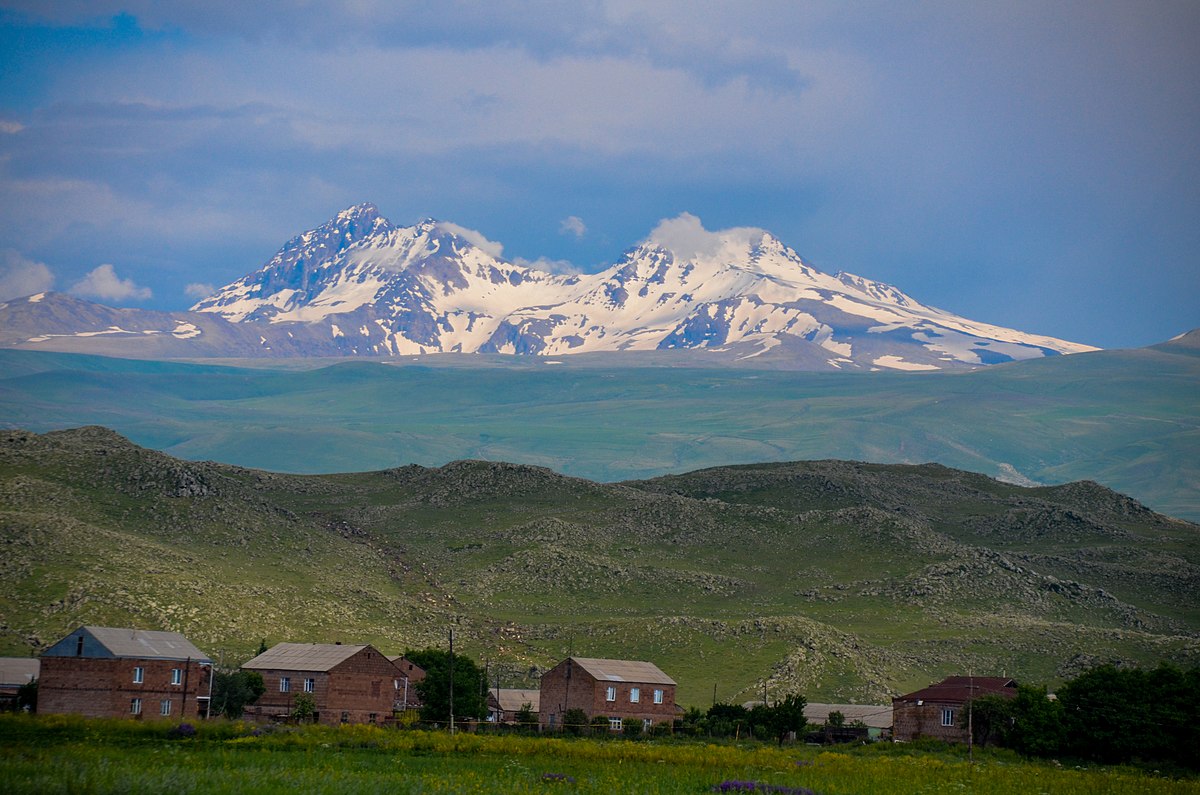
116,672
615,689
348,684
937,710
407,699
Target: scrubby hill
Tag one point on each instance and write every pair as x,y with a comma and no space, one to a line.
836,579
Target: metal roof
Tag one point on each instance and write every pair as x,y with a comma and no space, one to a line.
635,671
142,644
512,699
304,656
961,689
18,670
876,716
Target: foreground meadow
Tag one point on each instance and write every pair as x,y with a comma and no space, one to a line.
71,755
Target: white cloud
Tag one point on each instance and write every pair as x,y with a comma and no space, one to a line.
199,290
474,238
560,267
103,282
686,238
20,276
10,127
573,225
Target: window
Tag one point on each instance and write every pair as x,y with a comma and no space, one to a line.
614,724
139,674
658,696
285,684
947,717
611,695
165,707
176,676
647,724
635,695
310,685
345,717
135,706
371,717
79,647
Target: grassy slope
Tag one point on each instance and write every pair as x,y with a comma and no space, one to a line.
1127,419
842,581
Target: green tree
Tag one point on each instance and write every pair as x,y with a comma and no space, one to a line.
434,690
304,707
525,717
575,721
27,696
233,691
1036,723
990,718
780,719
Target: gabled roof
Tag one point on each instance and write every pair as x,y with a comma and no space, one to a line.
304,656
140,644
961,689
876,716
18,670
512,699
635,671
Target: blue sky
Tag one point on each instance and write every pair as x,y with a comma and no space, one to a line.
1030,164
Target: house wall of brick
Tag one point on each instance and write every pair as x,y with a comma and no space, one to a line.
911,721
360,689
583,691
104,687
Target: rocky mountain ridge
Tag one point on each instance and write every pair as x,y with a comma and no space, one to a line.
359,285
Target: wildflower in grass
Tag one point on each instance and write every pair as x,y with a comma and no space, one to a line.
182,731
561,778
758,786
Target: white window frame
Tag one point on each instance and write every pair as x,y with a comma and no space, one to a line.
285,684
658,695
310,685
135,706
164,707
139,674
176,676
635,695
611,693
647,724
947,717
615,724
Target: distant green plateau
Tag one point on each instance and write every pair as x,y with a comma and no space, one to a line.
1129,420
842,581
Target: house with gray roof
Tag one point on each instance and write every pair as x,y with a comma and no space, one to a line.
123,672
346,683
614,689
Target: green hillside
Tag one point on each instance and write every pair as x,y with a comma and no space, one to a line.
838,580
1127,419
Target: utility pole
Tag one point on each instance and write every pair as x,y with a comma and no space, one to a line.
970,718
452,680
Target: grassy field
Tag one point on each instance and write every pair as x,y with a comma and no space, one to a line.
1127,419
842,582
57,754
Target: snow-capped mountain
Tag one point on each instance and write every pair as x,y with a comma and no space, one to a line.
428,288
359,285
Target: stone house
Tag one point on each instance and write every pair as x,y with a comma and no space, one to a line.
937,711
347,683
117,672
615,689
